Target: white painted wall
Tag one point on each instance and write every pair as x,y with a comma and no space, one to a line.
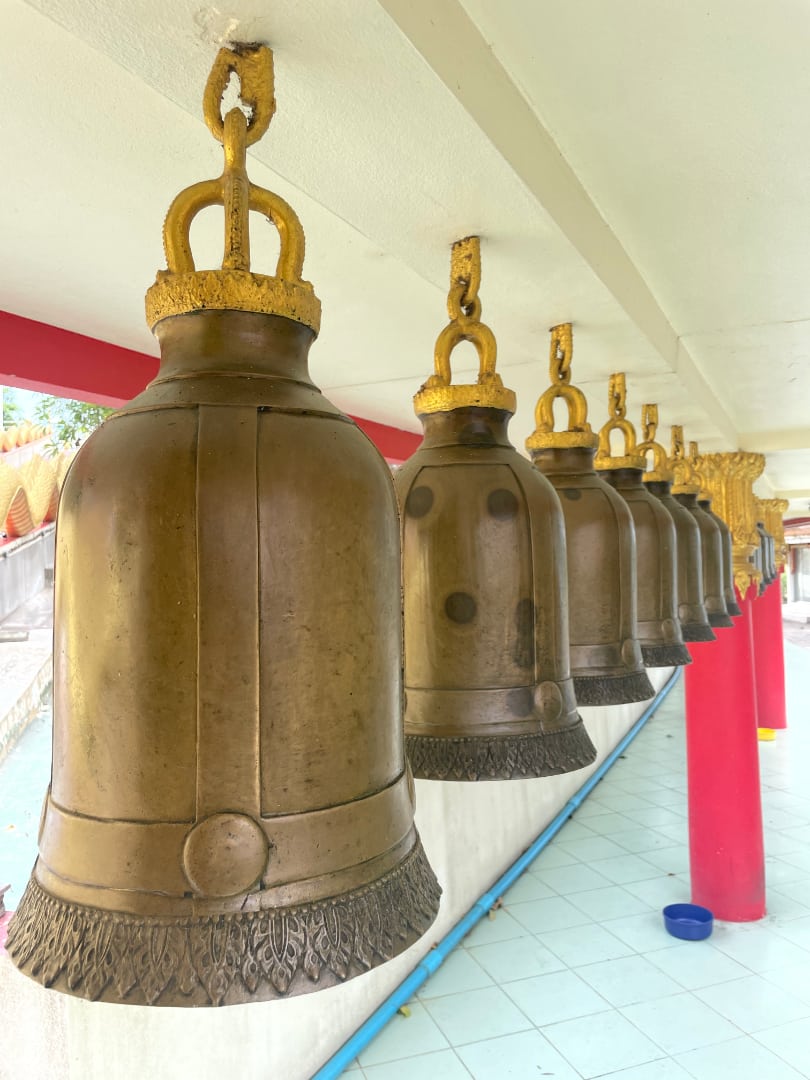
472,833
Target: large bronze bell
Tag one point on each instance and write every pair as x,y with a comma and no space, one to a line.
487,676
606,658
231,815
705,504
686,489
658,481
659,629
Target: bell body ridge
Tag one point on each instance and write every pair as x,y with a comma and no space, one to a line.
488,685
659,628
606,658
231,814
695,624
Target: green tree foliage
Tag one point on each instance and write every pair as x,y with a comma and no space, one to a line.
12,414
71,421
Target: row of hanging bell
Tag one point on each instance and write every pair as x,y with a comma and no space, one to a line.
765,558
686,490
231,814
606,654
488,685
659,627
705,504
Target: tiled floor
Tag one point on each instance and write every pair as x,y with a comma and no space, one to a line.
575,977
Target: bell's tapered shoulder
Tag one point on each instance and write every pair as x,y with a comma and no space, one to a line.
231,816
488,684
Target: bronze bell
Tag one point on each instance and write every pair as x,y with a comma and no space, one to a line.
606,658
686,490
231,815
487,676
705,503
764,560
658,481
659,629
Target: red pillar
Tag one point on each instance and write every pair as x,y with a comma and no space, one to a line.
725,812
769,657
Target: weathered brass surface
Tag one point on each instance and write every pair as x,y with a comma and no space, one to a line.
230,817
659,629
774,510
705,504
658,481
487,675
686,489
606,658
729,478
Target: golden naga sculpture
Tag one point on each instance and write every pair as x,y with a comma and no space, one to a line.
21,434
606,659
231,815
729,477
487,674
659,627
774,510
29,494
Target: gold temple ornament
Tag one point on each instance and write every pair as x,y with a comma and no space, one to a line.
230,817
606,658
659,628
487,676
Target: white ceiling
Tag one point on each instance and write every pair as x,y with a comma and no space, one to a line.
640,169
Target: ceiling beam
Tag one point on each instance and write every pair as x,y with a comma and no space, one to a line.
452,45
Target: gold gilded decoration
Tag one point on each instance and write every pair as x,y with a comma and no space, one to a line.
774,514
696,465
685,482
181,288
617,406
729,478
438,394
578,433
660,471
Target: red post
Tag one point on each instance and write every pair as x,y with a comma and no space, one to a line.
725,812
769,657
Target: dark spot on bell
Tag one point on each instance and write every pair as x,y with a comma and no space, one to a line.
502,504
419,501
524,625
572,493
460,607
520,701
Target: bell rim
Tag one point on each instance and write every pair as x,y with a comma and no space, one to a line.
475,758
104,940
675,655
605,690
697,631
